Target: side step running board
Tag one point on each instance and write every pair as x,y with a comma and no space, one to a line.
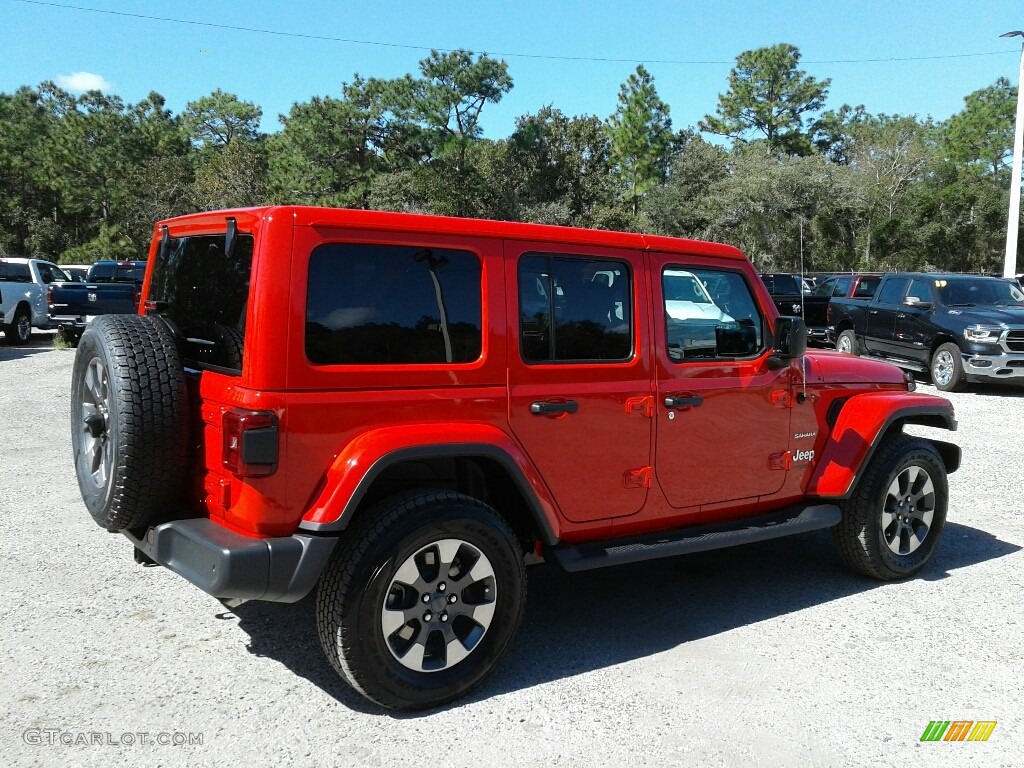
582,557
906,364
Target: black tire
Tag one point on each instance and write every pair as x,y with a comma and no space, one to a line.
872,516
847,342
129,421
19,330
947,368
360,582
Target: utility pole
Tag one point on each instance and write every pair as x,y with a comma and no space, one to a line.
1013,221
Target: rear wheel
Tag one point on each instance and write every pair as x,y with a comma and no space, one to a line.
893,521
129,420
847,342
947,368
422,600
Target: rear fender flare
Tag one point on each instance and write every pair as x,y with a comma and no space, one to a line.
366,457
862,423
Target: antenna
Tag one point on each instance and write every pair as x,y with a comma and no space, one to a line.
803,311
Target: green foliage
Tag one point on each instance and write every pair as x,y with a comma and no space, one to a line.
85,177
769,95
109,243
641,133
561,168
983,132
330,150
235,177
220,118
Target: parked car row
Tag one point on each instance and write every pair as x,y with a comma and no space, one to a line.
36,293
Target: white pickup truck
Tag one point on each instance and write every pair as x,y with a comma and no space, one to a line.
23,284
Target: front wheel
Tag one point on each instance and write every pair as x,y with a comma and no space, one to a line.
422,599
20,329
894,519
947,368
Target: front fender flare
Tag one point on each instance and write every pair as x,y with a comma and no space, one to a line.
862,422
364,458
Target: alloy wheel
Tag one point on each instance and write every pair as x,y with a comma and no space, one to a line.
439,605
97,447
942,368
908,510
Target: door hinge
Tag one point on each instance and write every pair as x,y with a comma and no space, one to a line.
782,397
637,478
643,405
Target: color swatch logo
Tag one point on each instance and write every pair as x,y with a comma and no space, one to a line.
958,730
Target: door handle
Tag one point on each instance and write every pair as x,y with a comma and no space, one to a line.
552,408
683,401
872,311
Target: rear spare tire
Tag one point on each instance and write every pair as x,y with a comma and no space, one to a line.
129,420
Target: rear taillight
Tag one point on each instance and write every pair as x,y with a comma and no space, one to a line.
136,297
828,313
49,295
250,442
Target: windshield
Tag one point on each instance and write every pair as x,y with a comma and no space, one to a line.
985,291
117,273
204,293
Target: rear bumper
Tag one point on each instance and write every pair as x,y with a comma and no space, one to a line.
230,566
69,322
819,335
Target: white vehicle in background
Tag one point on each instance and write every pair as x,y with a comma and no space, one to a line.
695,323
23,306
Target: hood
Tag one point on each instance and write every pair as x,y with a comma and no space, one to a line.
989,315
830,367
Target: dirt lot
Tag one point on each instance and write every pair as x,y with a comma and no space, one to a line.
765,655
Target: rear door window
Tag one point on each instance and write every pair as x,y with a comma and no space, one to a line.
574,308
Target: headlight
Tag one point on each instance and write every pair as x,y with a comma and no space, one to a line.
983,334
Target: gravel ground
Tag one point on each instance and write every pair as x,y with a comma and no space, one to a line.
765,655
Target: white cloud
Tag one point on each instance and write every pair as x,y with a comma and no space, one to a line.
80,82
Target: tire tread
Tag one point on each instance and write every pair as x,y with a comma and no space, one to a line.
341,579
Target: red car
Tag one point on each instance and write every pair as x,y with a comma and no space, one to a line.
401,410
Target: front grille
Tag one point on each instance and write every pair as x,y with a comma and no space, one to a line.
1014,341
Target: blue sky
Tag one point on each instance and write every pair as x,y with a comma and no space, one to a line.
40,42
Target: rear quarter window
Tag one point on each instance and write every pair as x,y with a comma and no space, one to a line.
370,304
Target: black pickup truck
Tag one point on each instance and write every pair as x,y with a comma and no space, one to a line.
787,292
110,288
957,328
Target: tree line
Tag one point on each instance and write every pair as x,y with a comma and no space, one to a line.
774,170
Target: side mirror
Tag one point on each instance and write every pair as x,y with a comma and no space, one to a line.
790,341
916,303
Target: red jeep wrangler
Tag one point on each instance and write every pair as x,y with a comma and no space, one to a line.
403,409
